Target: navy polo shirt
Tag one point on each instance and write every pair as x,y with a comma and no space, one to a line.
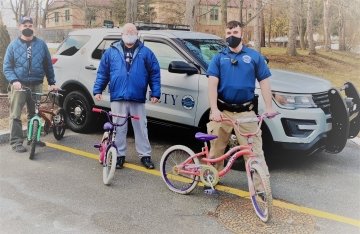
237,73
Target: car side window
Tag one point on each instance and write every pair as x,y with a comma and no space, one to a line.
72,44
164,53
100,49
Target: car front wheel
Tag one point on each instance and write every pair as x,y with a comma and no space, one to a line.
78,110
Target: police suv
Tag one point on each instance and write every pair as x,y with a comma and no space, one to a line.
314,115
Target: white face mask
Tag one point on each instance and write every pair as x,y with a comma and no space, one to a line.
129,39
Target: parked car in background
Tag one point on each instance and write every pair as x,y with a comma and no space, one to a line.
314,115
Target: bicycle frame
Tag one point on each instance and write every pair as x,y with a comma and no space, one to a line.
40,114
111,130
37,117
232,154
30,127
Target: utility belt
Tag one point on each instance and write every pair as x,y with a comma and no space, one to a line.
244,107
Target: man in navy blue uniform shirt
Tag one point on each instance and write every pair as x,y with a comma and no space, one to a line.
232,76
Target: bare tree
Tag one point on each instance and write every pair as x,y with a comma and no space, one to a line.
270,24
326,21
45,11
341,25
302,25
241,4
120,10
131,11
310,27
16,7
224,6
190,17
145,12
4,42
257,26
291,46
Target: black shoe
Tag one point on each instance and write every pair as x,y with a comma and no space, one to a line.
120,162
38,143
146,161
19,148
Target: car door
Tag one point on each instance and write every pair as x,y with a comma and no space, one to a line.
89,70
179,92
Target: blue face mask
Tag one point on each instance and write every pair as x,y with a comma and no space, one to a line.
233,41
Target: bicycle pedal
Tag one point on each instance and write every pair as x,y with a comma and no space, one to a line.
211,191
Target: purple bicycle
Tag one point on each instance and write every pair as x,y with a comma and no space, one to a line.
107,147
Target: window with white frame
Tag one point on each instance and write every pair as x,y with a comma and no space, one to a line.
56,17
67,15
214,14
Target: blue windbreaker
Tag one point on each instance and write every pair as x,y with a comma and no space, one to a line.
128,86
17,67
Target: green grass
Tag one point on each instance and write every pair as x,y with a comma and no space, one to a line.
337,67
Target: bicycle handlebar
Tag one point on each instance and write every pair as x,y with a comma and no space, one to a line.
109,113
55,92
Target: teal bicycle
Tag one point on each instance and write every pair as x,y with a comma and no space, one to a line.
46,117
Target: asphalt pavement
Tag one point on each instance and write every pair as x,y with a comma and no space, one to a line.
61,191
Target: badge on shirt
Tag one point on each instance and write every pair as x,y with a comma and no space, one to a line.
246,59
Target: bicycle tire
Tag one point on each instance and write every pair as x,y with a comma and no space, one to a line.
109,165
59,125
35,129
182,184
262,198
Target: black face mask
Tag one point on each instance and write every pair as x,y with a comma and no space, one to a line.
27,32
233,42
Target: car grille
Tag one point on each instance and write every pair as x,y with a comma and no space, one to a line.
322,101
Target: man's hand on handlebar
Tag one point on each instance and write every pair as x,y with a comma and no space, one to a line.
270,113
216,115
17,85
53,87
98,97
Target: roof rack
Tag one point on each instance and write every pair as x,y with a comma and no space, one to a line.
159,26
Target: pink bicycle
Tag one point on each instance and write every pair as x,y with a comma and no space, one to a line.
107,147
182,169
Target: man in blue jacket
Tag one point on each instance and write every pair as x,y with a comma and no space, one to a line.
27,60
130,68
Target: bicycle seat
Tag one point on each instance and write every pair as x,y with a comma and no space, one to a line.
108,126
204,137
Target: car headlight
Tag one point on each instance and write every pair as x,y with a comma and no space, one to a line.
293,101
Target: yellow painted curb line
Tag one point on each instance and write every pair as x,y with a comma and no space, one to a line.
238,192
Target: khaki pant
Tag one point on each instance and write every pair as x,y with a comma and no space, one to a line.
224,129
18,99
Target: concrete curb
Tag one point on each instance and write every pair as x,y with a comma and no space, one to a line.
5,136
356,140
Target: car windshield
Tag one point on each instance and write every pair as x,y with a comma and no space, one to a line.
204,49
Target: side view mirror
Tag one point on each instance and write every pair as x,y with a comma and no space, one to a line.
182,68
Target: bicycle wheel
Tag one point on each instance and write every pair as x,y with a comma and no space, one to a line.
262,198
58,121
35,129
109,165
176,182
